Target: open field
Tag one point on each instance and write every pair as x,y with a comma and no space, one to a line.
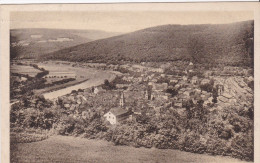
22,69
70,149
97,79
85,78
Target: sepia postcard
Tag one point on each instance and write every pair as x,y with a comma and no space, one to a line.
130,82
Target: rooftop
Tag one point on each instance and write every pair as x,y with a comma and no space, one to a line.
118,111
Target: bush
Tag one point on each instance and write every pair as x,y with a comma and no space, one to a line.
108,86
207,87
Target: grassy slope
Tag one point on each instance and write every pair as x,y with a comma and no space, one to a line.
35,49
71,149
169,42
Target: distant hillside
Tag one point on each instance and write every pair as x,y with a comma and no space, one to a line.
226,43
35,42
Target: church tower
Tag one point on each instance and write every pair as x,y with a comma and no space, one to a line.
122,100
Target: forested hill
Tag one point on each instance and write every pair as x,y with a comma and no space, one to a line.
223,43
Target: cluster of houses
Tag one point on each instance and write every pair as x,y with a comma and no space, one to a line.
148,89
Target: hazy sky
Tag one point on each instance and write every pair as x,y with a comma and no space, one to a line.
120,21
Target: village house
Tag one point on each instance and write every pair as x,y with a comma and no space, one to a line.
154,80
194,80
23,78
189,68
162,96
160,70
160,86
173,81
97,90
118,114
115,115
178,104
204,81
163,75
184,78
122,86
227,98
177,86
208,101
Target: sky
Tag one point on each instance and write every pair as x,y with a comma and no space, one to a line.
121,21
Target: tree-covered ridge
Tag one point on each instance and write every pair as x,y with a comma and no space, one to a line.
34,42
225,43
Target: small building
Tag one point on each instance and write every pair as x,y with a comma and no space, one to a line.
205,81
194,80
97,90
122,86
174,81
23,78
163,75
160,87
178,104
227,98
222,99
185,78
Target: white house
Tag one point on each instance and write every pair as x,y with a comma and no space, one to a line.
97,90
116,115
185,78
194,80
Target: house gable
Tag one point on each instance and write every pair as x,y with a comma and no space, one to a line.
110,117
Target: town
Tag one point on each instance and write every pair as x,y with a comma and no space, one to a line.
139,88
167,88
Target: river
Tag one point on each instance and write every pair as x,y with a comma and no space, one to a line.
96,80
95,77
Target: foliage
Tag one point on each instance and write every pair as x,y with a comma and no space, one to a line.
200,43
108,85
122,70
172,91
209,87
163,80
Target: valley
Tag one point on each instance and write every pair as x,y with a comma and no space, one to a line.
153,91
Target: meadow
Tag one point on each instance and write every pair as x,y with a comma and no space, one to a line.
70,149
85,78
24,69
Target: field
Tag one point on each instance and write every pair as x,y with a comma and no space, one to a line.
71,149
85,78
26,70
